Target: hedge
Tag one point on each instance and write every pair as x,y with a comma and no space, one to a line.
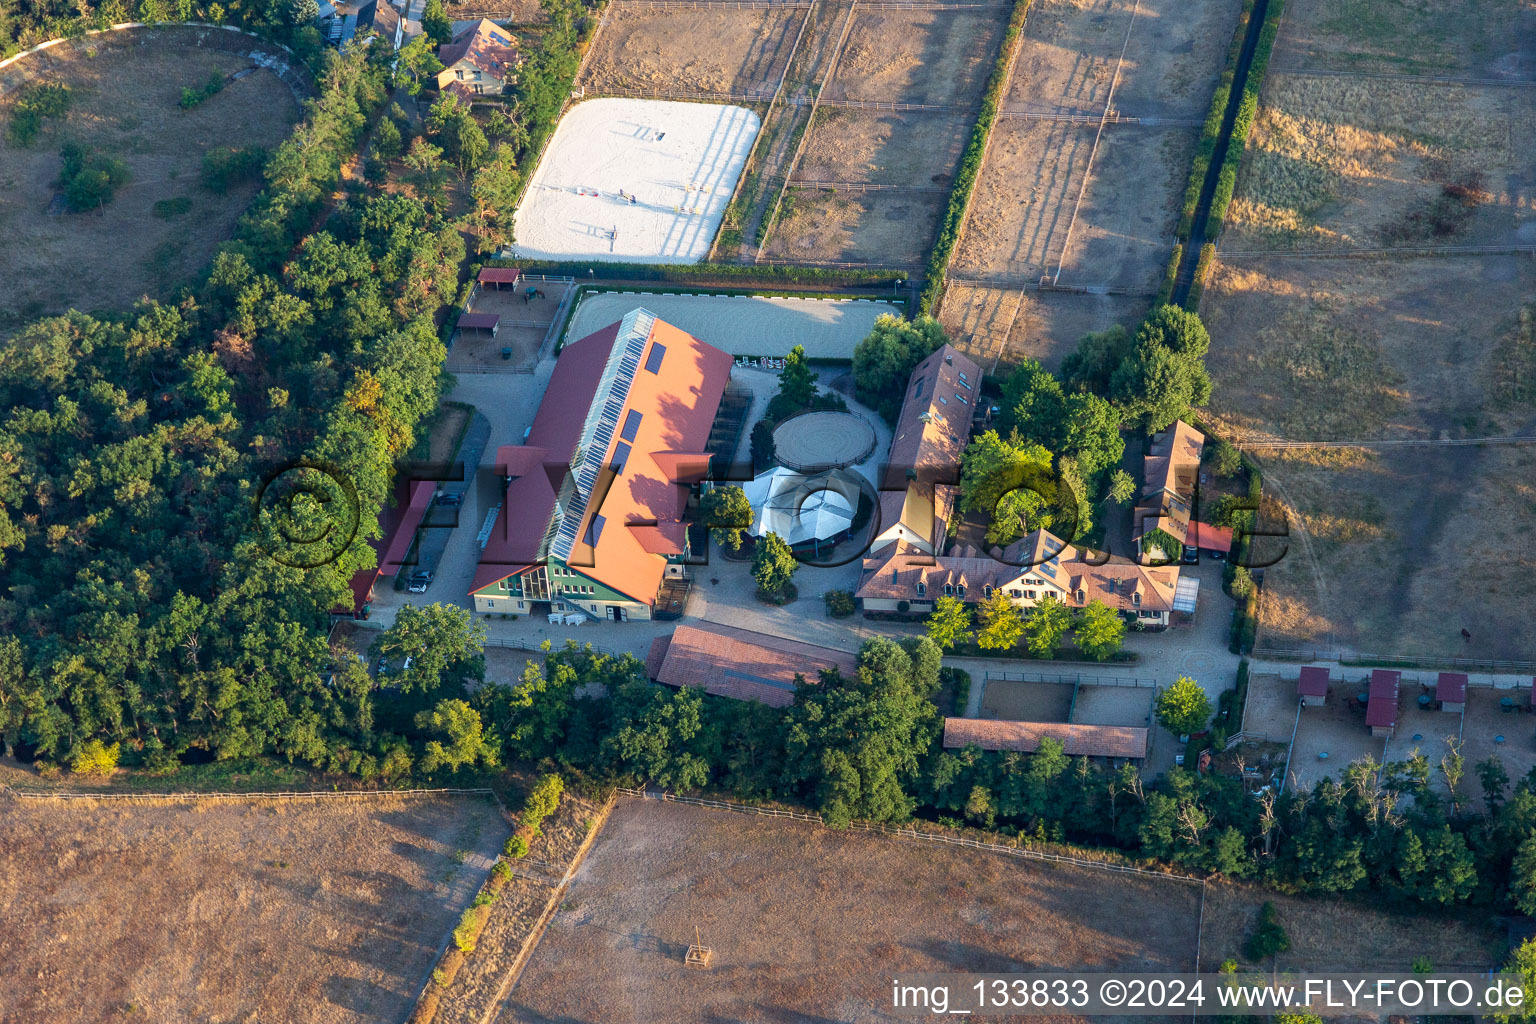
970,163
1202,272
1242,124
1170,276
685,273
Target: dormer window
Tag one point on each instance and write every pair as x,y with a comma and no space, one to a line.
987,590
1136,599
949,590
922,590
960,590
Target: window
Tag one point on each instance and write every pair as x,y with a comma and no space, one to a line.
620,457
917,389
960,590
949,590
922,590
631,425
1029,594
654,357
943,400
963,382
1136,599
460,73
479,88
1015,593
987,590
962,399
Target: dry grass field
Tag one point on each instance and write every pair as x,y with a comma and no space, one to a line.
879,148
691,50
1313,349
125,106
1372,162
890,229
1047,326
810,924
929,57
1338,935
1476,38
317,912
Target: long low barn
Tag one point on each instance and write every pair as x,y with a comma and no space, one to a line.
1116,741
730,662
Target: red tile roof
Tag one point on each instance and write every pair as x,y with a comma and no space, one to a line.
1451,686
1076,740
1209,538
1381,710
478,321
397,528
499,275
730,662
486,45
1313,682
935,420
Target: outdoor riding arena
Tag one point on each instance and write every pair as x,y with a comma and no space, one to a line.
745,325
817,441
635,181
163,224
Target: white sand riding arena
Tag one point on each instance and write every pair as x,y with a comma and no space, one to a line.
635,181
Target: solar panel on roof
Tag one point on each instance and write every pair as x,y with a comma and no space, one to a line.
631,425
620,457
654,357
595,531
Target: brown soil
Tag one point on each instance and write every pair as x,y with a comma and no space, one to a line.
1026,702
523,328
1337,935
519,12
810,924
1369,162
1347,349
125,106
1047,327
516,910
884,149
1474,38
888,229
932,57
692,50
189,910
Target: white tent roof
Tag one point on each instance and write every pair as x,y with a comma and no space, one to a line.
798,508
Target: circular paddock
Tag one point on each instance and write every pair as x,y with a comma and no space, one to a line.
815,441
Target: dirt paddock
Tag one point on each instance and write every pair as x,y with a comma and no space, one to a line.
981,319
888,229
878,148
928,57
810,924
124,105
189,910
691,50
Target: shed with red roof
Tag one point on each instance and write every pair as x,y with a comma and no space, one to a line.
1312,686
1381,708
496,277
1451,691
480,323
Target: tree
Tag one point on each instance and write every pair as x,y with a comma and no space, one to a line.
494,193
466,742
1522,876
1046,625
1522,962
773,566
435,23
445,647
883,361
1494,780
1183,708
728,515
387,144
797,384
1099,631
1242,585
426,162
302,12
416,60
1225,458
949,623
1080,425
1011,481
763,451
999,623
1163,375
95,758
456,131
1096,359
1269,938
1122,487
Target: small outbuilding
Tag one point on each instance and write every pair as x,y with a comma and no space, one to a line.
1312,687
1381,707
1451,691
499,277
479,323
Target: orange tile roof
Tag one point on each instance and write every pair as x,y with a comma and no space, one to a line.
486,45
1169,475
1076,740
738,663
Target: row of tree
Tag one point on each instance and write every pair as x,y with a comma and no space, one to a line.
1000,625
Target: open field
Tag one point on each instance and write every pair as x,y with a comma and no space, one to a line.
810,924
691,50
930,57
1068,56
188,910
1047,327
1372,162
877,148
887,229
1472,38
1339,934
125,106
1365,349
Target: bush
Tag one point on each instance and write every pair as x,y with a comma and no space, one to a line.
35,104
192,97
89,181
95,758
467,932
840,603
516,848
226,167
1270,939
165,209
1202,274
542,801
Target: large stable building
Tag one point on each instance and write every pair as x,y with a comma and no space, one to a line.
592,520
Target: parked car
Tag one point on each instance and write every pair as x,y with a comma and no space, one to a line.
446,500
420,582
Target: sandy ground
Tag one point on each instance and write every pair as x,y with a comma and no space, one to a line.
1338,934
125,106
1483,723
809,924
745,325
1271,708
1024,702
1114,705
680,161
930,57
692,50
1335,729
878,148
1370,162
981,320
190,910
1475,38
524,325
885,229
